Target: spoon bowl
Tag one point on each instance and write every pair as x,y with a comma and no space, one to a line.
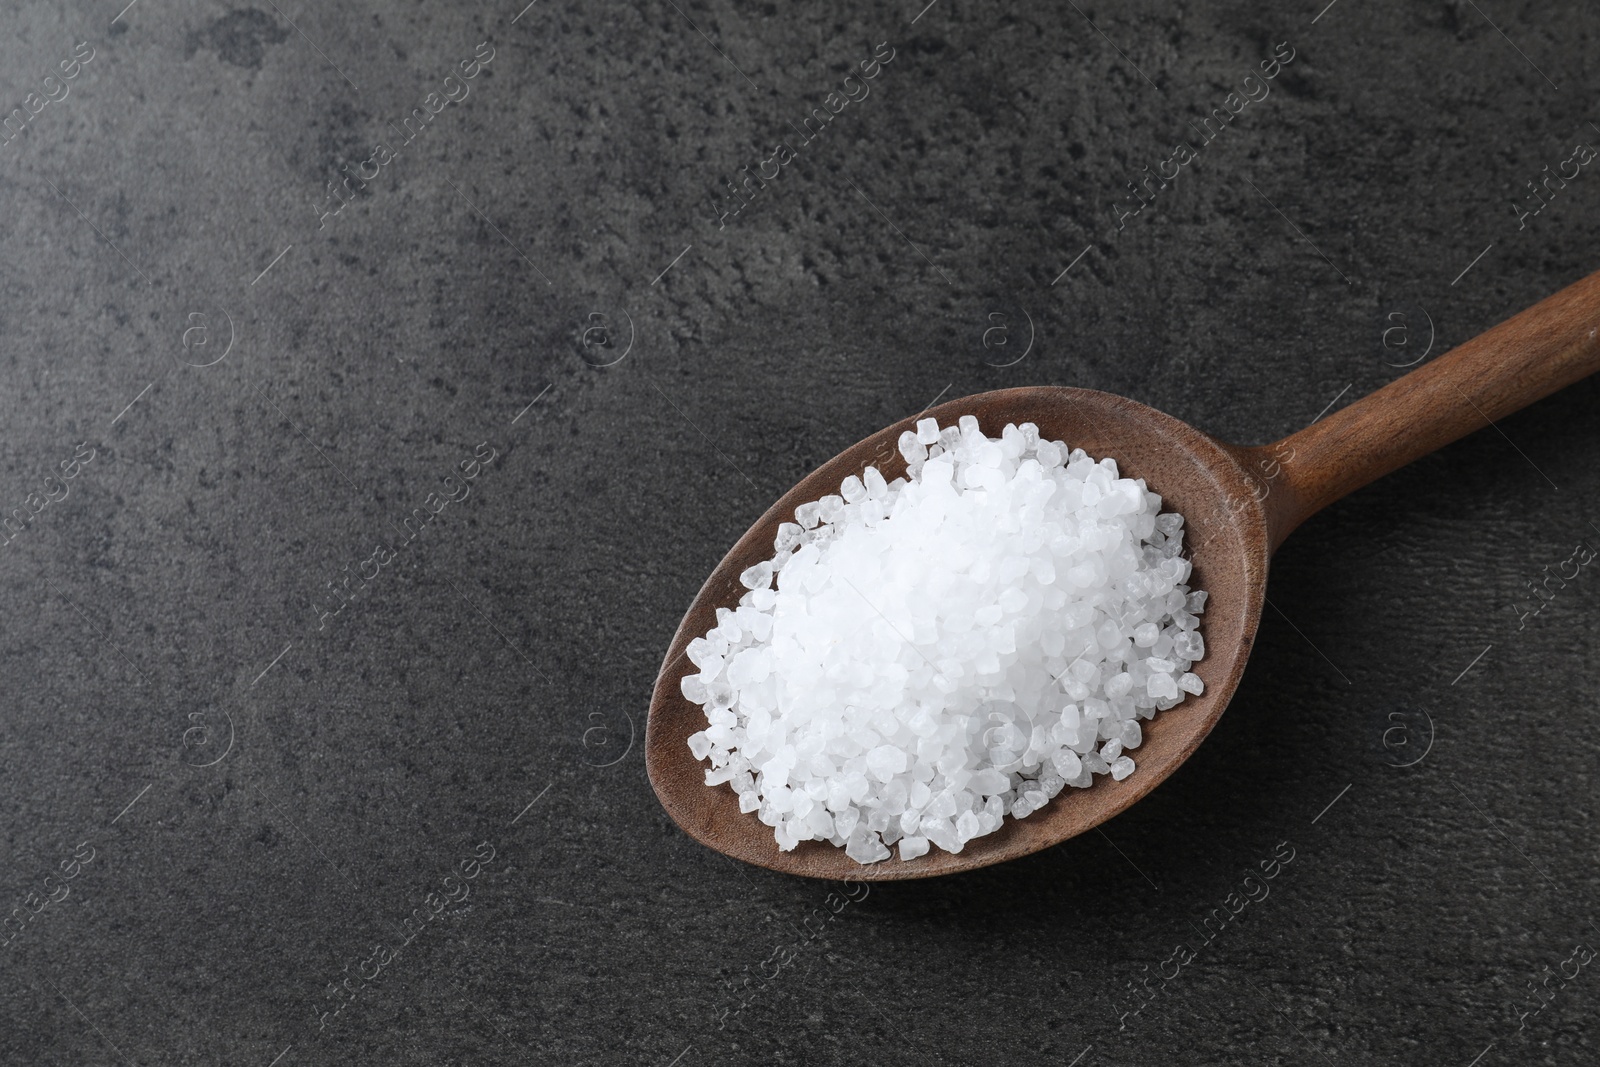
1229,550
1238,503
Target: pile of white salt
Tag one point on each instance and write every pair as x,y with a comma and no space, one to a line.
947,649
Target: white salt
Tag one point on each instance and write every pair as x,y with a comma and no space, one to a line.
949,648
911,847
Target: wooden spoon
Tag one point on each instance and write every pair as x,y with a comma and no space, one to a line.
1239,503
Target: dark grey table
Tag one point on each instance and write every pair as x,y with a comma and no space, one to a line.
413,364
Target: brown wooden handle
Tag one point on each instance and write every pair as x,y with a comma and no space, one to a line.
1547,347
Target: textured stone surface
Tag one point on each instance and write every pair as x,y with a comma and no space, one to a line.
165,615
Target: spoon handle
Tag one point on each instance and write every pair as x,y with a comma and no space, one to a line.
1547,347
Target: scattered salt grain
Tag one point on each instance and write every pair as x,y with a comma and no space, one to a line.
947,648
